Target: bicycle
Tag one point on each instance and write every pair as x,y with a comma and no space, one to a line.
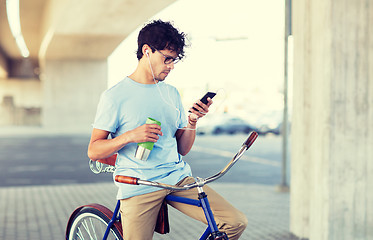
94,221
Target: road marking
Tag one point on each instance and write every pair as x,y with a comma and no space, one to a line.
27,168
230,155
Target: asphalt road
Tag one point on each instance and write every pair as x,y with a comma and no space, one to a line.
62,159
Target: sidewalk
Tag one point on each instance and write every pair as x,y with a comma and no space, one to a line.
41,212
27,131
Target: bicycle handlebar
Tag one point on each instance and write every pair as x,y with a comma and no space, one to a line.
199,181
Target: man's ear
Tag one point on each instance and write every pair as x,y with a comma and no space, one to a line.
145,50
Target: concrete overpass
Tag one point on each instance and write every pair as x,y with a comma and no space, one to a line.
69,42
332,127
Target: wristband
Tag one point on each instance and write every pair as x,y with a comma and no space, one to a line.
191,121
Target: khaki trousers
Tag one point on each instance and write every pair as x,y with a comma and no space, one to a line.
139,213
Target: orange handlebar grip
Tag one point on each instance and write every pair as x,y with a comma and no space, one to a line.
126,179
250,140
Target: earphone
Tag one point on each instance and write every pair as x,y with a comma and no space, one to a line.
147,52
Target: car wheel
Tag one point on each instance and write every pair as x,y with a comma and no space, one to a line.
218,131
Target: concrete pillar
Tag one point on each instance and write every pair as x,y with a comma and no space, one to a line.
71,92
3,66
77,38
332,125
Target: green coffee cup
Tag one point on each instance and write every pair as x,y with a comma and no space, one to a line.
144,148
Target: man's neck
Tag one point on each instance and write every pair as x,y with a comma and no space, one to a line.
142,76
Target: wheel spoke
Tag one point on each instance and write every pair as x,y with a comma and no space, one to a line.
79,234
90,225
93,229
85,225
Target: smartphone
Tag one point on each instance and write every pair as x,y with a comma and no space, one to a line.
204,98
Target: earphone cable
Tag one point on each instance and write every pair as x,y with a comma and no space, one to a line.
173,106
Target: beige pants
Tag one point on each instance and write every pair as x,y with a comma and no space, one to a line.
139,213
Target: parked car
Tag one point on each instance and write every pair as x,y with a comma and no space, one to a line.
224,124
267,128
270,122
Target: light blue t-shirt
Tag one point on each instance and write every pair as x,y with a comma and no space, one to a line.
126,106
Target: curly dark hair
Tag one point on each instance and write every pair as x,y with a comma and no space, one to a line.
161,35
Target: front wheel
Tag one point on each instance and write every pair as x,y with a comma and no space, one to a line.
91,223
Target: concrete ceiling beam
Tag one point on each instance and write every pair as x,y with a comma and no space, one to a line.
92,29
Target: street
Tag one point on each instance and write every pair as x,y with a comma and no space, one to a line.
46,176
62,159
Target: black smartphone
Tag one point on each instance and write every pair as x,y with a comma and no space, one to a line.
204,98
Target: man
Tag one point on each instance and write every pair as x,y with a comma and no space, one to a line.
122,112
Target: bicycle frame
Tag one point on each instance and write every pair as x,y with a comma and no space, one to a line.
201,202
212,229
115,218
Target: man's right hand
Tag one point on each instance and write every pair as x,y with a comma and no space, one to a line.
145,133
101,147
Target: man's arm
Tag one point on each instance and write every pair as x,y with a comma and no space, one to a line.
185,137
101,147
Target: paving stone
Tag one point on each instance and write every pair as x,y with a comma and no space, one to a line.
42,212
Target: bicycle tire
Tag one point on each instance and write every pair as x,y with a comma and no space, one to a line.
91,223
